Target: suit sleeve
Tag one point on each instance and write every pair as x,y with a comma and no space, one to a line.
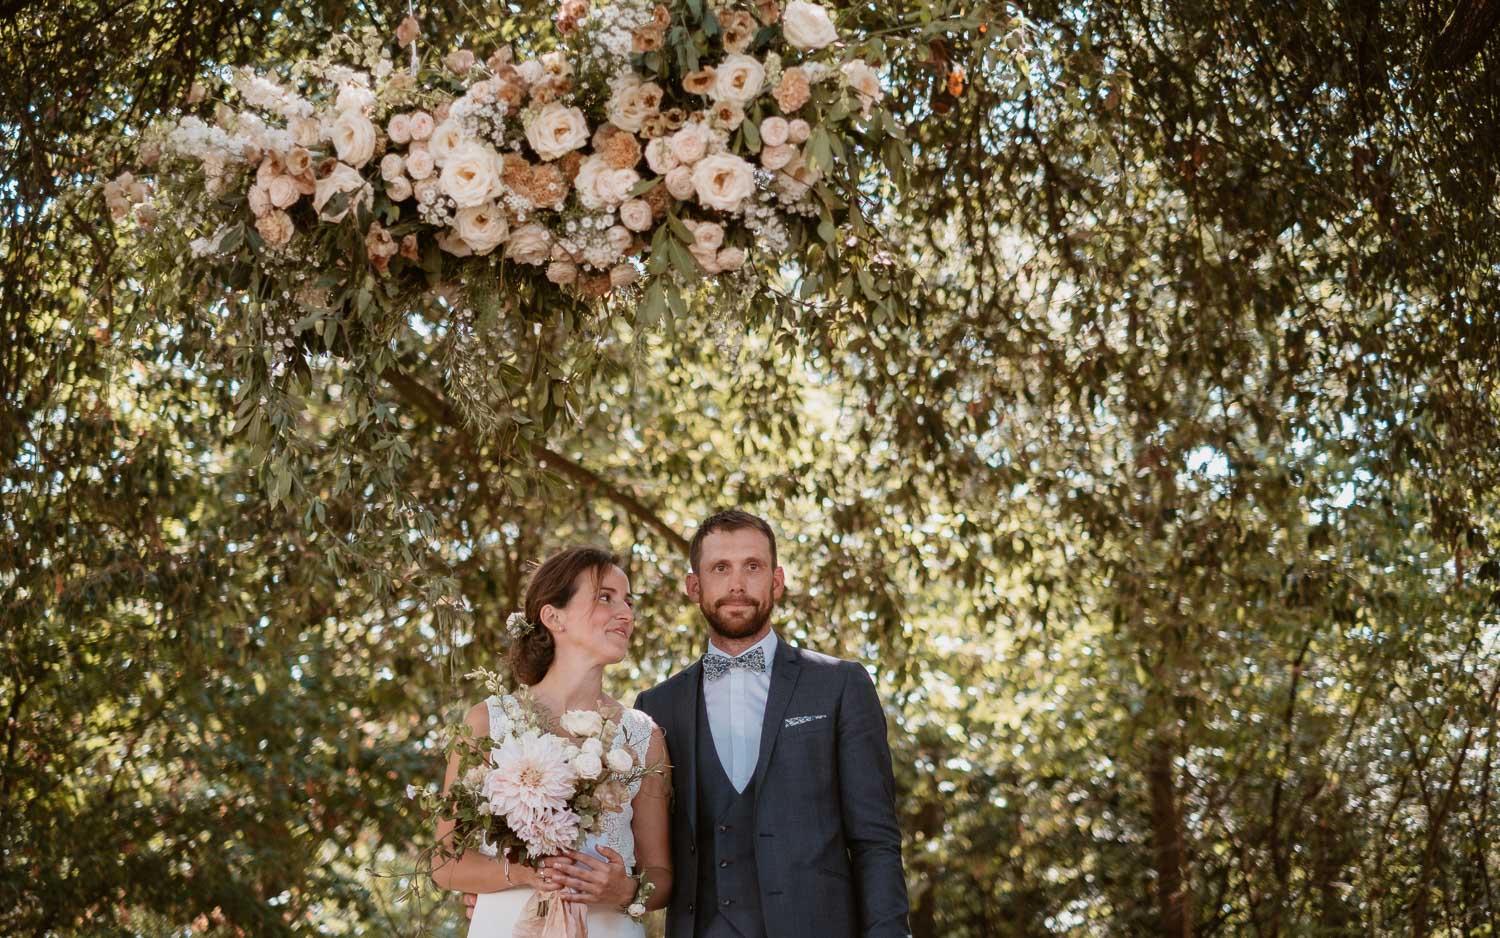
867,795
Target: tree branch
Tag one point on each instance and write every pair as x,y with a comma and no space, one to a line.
433,404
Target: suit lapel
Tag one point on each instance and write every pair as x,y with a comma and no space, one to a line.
783,681
689,703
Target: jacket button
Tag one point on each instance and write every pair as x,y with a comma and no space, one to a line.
723,827
723,863
690,907
726,903
692,848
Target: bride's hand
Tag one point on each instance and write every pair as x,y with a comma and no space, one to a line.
591,880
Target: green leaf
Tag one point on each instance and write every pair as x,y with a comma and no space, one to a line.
751,134
645,185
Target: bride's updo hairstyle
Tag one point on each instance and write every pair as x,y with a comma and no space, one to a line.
552,583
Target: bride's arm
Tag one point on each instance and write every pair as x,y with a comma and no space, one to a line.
473,871
652,822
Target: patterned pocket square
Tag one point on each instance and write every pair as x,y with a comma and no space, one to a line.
798,721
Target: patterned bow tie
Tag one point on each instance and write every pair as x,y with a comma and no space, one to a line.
716,666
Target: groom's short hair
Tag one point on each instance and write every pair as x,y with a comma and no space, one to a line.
731,520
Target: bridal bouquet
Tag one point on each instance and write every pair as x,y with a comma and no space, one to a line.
659,142
528,792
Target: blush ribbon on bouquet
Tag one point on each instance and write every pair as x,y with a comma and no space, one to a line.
551,917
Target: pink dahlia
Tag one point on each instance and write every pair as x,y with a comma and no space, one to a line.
529,774
546,832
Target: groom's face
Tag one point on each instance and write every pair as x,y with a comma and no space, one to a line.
735,584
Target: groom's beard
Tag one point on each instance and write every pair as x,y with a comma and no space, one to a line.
744,628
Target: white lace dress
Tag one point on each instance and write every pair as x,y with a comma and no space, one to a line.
496,913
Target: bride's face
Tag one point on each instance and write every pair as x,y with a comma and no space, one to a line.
598,620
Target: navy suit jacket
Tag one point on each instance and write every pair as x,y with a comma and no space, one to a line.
827,846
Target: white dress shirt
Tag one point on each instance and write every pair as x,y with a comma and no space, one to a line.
736,706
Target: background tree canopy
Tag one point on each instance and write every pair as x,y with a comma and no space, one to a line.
1152,467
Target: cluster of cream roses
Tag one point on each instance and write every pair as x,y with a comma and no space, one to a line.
513,165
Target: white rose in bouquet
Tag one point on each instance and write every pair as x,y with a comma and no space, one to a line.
469,175
636,215
619,760
723,181
419,164
592,744
392,167
659,156
355,98
282,191
529,244
774,131
353,138
557,130
482,227
583,722
737,80
588,765
421,125
807,26
679,183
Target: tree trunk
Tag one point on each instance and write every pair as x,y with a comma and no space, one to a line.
1173,894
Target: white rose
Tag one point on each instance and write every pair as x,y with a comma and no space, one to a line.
275,228
773,131
623,274
392,167
482,227
398,189
469,175
679,183
562,273
421,125
399,129
419,164
446,137
807,26
619,760
557,130
636,910
529,244
353,138
619,238
636,215
588,765
775,157
690,143
865,82
738,79
659,157
341,179
583,722
594,745
283,191
354,98
627,110
723,181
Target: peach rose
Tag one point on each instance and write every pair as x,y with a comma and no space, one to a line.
773,131
767,11
793,90
282,192
707,235
399,129
421,124
562,273
621,151
398,189
298,162
699,82
738,30
679,183
622,275
798,130
459,61
635,214
728,115
260,203
529,244
419,164
865,82
690,144
659,157
731,258
407,32
275,228
392,167
380,247
777,156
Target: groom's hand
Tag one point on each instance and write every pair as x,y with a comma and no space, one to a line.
469,900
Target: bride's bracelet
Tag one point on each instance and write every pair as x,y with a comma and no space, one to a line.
644,887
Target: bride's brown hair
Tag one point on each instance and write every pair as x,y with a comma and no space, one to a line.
553,583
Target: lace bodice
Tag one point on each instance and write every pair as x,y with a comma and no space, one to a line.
634,733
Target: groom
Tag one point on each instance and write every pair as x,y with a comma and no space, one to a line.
784,818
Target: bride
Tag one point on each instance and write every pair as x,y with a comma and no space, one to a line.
578,621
